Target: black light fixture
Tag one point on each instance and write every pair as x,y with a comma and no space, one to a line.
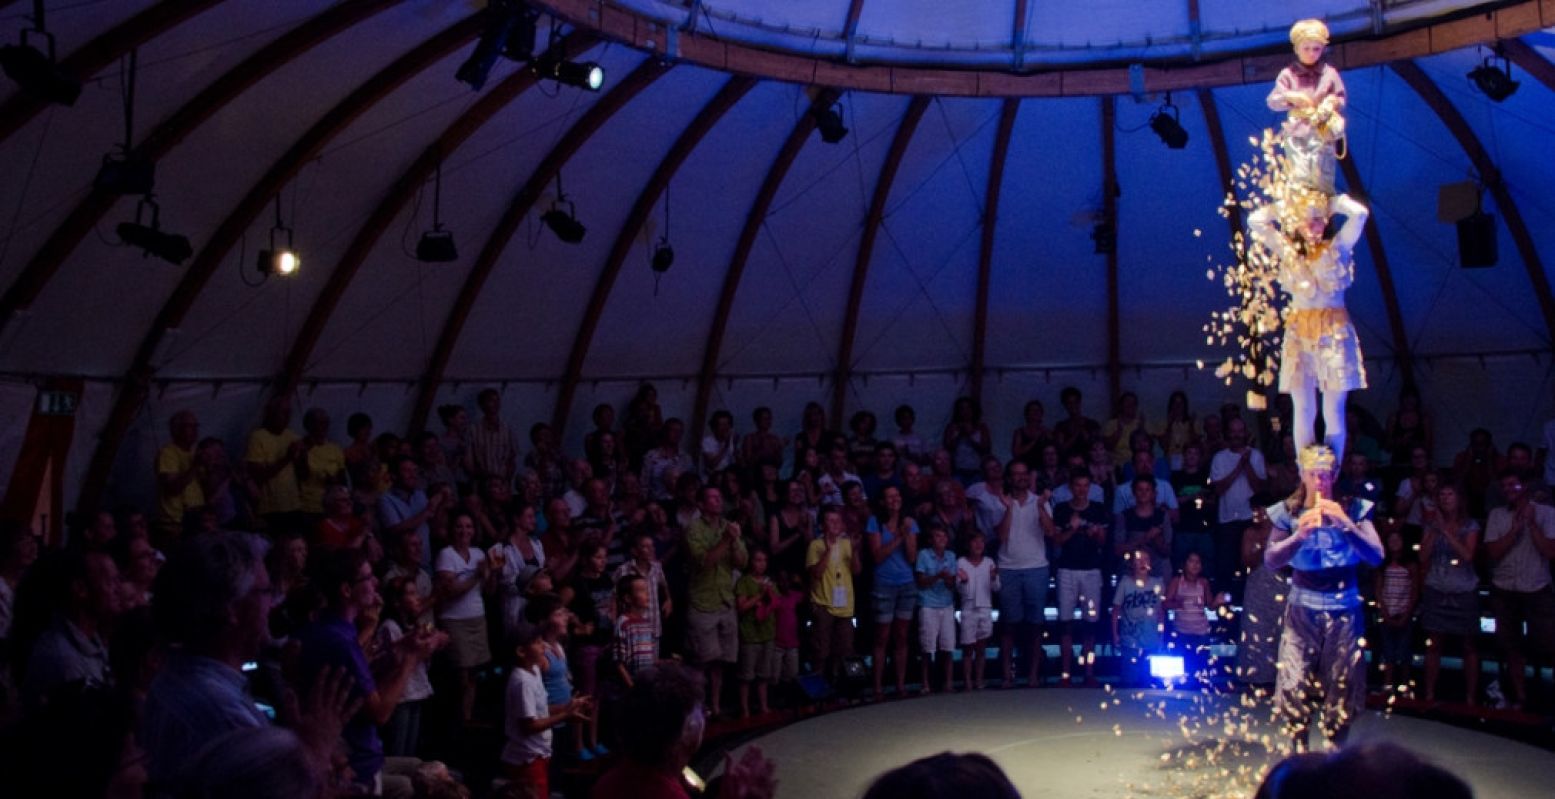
509,32
564,224
828,120
1104,234
279,259
127,171
149,236
582,74
663,253
1168,125
36,72
1495,81
437,245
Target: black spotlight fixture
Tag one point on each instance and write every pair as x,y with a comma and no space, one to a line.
127,171
1104,235
509,32
1166,124
828,120
564,224
1494,81
582,74
437,245
279,259
35,71
148,236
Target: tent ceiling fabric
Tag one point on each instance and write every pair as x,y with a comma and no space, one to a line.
347,108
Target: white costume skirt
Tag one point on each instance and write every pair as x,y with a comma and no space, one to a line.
1320,348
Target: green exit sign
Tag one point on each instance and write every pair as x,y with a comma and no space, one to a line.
58,403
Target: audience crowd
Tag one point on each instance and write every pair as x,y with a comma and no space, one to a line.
326,616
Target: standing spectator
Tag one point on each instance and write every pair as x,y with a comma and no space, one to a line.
1188,596
665,464
785,633
217,485
526,757
178,484
1409,427
1079,528
936,574
716,550
609,461
406,551
1119,429
321,464
18,551
272,455
635,644
63,614
521,558
909,445
406,507
1355,481
1023,573
1143,465
1476,468
345,581
1073,434
1412,498
644,422
1177,431
861,444
950,509
1197,508
593,603
1138,617
1397,596
812,432
579,472
433,460
546,460
644,563
832,560
455,441
977,580
968,439
1263,606
1213,435
605,462
403,606
835,477
1519,459
1520,543
893,547
757,595
1238,473
341,527
987,496
762,447
1027,442
463,572
1449,603
1147,526
790,529
883,470
493,447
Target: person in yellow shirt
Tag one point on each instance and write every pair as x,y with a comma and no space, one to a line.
1117,431
273,452
178,490
833,560
322,464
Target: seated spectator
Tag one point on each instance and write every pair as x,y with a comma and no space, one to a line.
762,447
340,528
909,445
1408,427
1412,498
1144,464
579,472
1356,481
82,744
1146,526
546,460
267,763
18,552
606,459
138,564
665,464
63,612
944,776
433,460
1378,770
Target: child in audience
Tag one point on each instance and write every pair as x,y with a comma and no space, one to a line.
936,575
1397,594
526,757
402,606
755,596
785,657
1189,596
548,614
1138,617
636,647
977,578
590,595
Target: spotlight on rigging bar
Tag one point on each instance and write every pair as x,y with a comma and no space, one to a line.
1494,81
582,74
509,32
828,120
148,236
564,224
279,259
37,72
437,245
1166,122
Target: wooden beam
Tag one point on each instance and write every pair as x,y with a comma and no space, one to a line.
1001,149
1109,210
1217,141
1379,259
1256,65
1491,177
754,220
866,249
1531,62
1018,34
1195,28
169,134
735,89
232,228
98,54
568,145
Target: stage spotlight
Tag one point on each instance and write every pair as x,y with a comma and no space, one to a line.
663,256
509,31
829,122
279,259
127,174
437,245
582,74
150,238
37,73
1166,667
1495,82
1105,236
564,224
1168,126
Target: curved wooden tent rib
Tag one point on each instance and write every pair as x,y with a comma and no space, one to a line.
133,393
1379,260
568,145
98,54
866,250
731,93
1217,141
1491,177
1529,59
170,133
795,142
1001,150
1109,205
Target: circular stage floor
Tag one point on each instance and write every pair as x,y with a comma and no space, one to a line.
1062,743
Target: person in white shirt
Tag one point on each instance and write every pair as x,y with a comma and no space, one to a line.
986,497
721,445
836,476
1023,570
977,578
1520,542
1237,473
526,757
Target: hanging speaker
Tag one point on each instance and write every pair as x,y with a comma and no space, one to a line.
1477,241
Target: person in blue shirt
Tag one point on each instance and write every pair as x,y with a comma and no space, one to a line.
936,574
893,543
1320,657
